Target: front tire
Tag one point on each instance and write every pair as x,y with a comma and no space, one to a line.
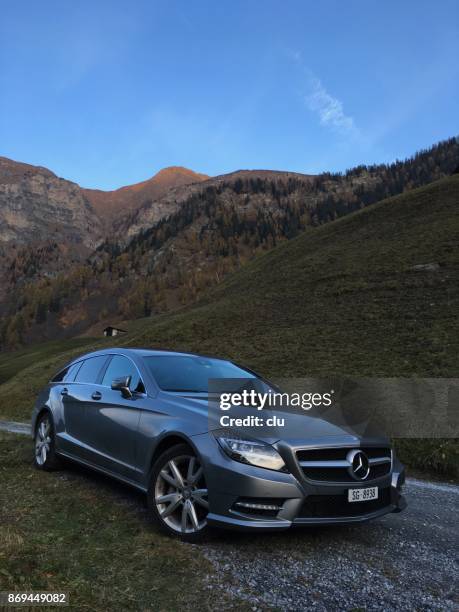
177,495
45,457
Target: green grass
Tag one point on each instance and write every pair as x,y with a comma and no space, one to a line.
66,531
341,299
432,457
13,362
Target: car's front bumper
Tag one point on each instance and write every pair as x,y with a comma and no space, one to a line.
290,516
299,502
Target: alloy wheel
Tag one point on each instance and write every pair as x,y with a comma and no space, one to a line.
43,441
181,494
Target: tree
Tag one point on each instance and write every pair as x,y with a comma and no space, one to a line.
41,313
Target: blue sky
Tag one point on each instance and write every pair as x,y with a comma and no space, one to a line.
106,93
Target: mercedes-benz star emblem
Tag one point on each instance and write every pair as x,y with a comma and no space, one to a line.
359,466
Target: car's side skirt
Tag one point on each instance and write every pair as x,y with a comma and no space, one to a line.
97,468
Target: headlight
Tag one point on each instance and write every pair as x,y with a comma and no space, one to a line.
252,451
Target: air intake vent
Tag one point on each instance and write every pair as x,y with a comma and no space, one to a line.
334,506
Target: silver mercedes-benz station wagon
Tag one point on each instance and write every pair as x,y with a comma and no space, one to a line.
141,416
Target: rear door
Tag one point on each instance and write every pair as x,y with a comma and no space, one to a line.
61,397
113,420
76,395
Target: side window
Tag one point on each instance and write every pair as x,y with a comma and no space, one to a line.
122,366
71,372
60,376
90,368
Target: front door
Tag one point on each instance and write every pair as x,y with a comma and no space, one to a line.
113,420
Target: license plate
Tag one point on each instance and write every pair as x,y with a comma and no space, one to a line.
358,495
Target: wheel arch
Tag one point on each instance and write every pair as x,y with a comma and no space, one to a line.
167,441
41,411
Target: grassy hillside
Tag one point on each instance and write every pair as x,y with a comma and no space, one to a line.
343,298
13,362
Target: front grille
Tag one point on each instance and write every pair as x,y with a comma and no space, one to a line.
331,464
337,506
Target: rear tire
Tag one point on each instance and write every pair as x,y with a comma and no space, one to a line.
45,457
177,495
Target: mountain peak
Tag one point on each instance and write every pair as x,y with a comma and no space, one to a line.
173,171
130,197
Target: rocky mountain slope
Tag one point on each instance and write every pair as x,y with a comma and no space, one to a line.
46,223
49,224
38,206
168,251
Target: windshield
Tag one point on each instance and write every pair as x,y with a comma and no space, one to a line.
189,373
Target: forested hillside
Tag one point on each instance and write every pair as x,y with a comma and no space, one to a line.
214,228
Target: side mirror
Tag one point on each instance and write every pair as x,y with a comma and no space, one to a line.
122,384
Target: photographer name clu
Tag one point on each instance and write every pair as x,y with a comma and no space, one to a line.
251,421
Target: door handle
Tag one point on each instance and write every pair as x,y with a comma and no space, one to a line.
64,392
97,395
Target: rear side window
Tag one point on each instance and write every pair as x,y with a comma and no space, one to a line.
68,373
90,369
60,375
122,366
71,372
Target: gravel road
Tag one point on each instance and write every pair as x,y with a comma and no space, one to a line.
15,427
406,561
